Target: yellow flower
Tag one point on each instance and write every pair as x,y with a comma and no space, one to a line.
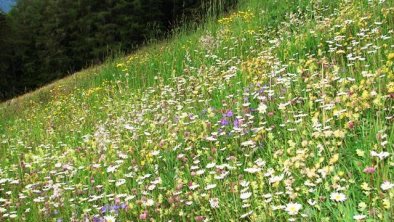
365,95
390,87
365,187
338,197
386,204
360,153
362,206
334,158
339,134
391,56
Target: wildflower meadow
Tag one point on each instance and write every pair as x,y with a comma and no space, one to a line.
276,111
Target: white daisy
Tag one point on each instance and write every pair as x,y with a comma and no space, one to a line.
246,195
111,169
120,182
246,215
248,143
293,208
252,170
210,186
214,202
109,218
210,165
381,155
262,108
275,179
386,185
338,197
149,202
359,217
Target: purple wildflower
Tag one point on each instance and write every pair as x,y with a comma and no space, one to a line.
224,122
236,123
229,113
369,170
104,209
97,219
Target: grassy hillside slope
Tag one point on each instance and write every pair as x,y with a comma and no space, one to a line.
281,110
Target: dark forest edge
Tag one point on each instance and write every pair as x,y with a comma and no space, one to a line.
44,40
